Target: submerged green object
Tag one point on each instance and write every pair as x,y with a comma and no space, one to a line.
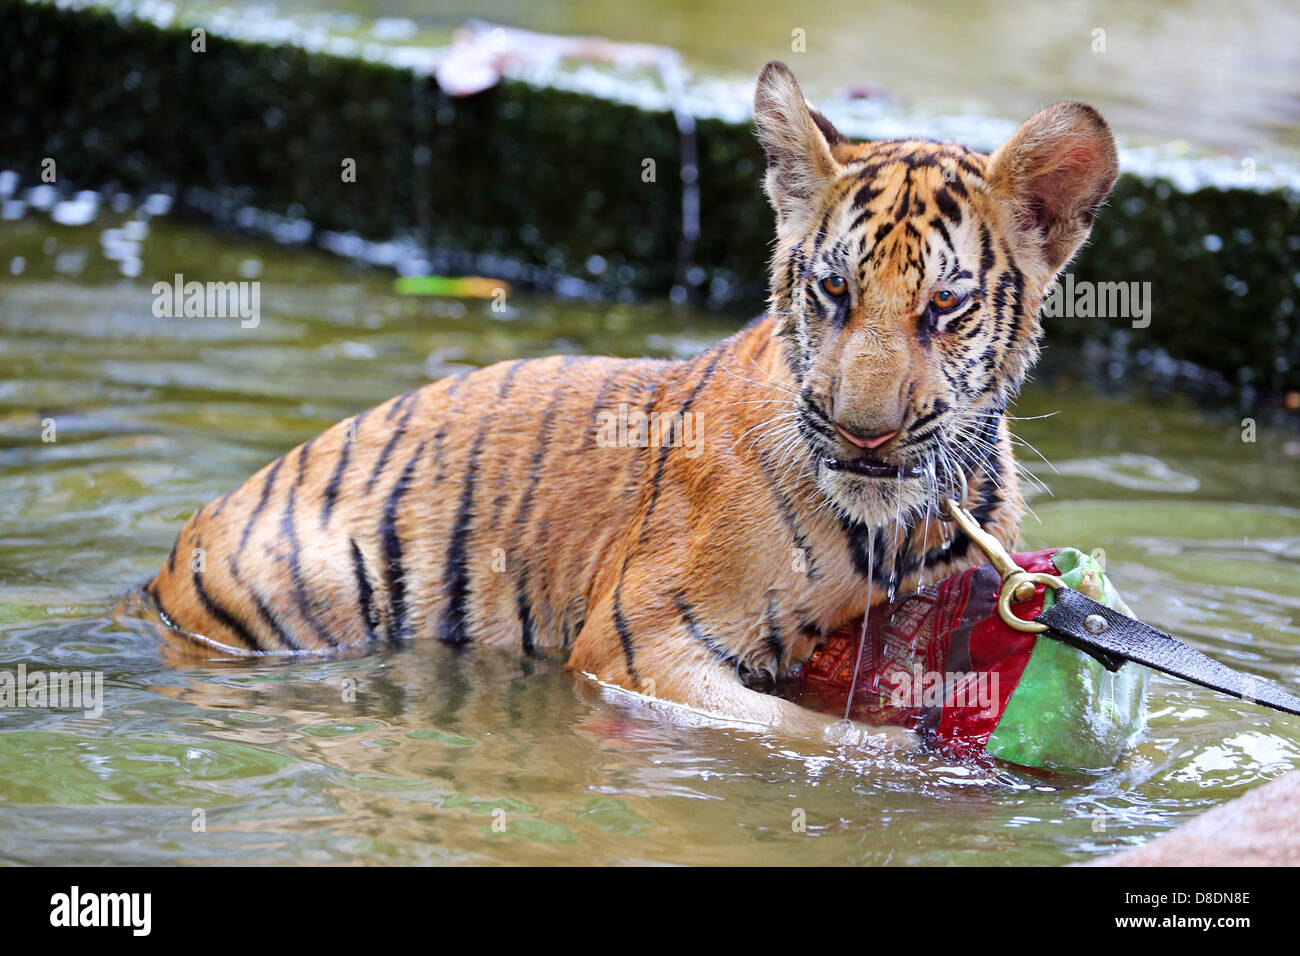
455,287
974,681
1067,711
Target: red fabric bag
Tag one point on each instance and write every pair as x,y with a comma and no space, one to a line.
942,662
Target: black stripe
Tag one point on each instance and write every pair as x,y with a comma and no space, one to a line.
666,448
268,617
222,616
302,461
788,514
947,205
508,380
571,631
1018,303
525,506
634,471
261,503
455,381
435,453
975,329
700,635
809,428
365,593
986,255
525,614
394,574
607,387
859,542
332,489
620,622
865,196
264,611
937,225
503,472
302,600
453,629
860,538
624,632
398,404
940,406
775,646
398,431
162,611
823,424
982,512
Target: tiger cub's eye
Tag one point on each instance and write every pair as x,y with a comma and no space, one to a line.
835,286
945,300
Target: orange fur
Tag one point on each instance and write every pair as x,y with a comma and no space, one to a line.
502,507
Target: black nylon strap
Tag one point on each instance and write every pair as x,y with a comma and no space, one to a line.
1126,639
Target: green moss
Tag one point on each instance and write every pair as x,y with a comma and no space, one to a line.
551,179
1228,304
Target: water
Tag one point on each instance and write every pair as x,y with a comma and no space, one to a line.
410,757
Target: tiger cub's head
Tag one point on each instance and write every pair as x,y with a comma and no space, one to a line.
906,284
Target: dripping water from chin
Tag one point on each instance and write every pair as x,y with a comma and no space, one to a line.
866,616
900,541
900,533
925,534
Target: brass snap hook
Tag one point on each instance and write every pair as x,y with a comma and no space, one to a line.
1017,583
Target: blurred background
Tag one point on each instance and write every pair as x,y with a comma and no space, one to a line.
1194,71
488,142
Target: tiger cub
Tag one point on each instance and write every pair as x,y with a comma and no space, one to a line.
689,530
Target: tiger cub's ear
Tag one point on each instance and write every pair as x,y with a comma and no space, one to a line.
797,140
1056,171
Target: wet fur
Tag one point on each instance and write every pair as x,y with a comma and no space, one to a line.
486,509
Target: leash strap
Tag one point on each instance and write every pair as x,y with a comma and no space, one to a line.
1113,638
1109,636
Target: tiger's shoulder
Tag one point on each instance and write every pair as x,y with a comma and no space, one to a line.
378,529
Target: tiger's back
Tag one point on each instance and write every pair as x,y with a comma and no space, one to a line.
448,511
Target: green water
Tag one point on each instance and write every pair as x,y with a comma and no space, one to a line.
155,416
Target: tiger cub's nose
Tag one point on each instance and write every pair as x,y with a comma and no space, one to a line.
869,442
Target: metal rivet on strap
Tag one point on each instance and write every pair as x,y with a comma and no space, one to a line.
1095,624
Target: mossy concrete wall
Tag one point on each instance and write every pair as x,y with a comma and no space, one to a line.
552,179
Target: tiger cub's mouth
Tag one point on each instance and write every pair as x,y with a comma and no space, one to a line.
871,467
